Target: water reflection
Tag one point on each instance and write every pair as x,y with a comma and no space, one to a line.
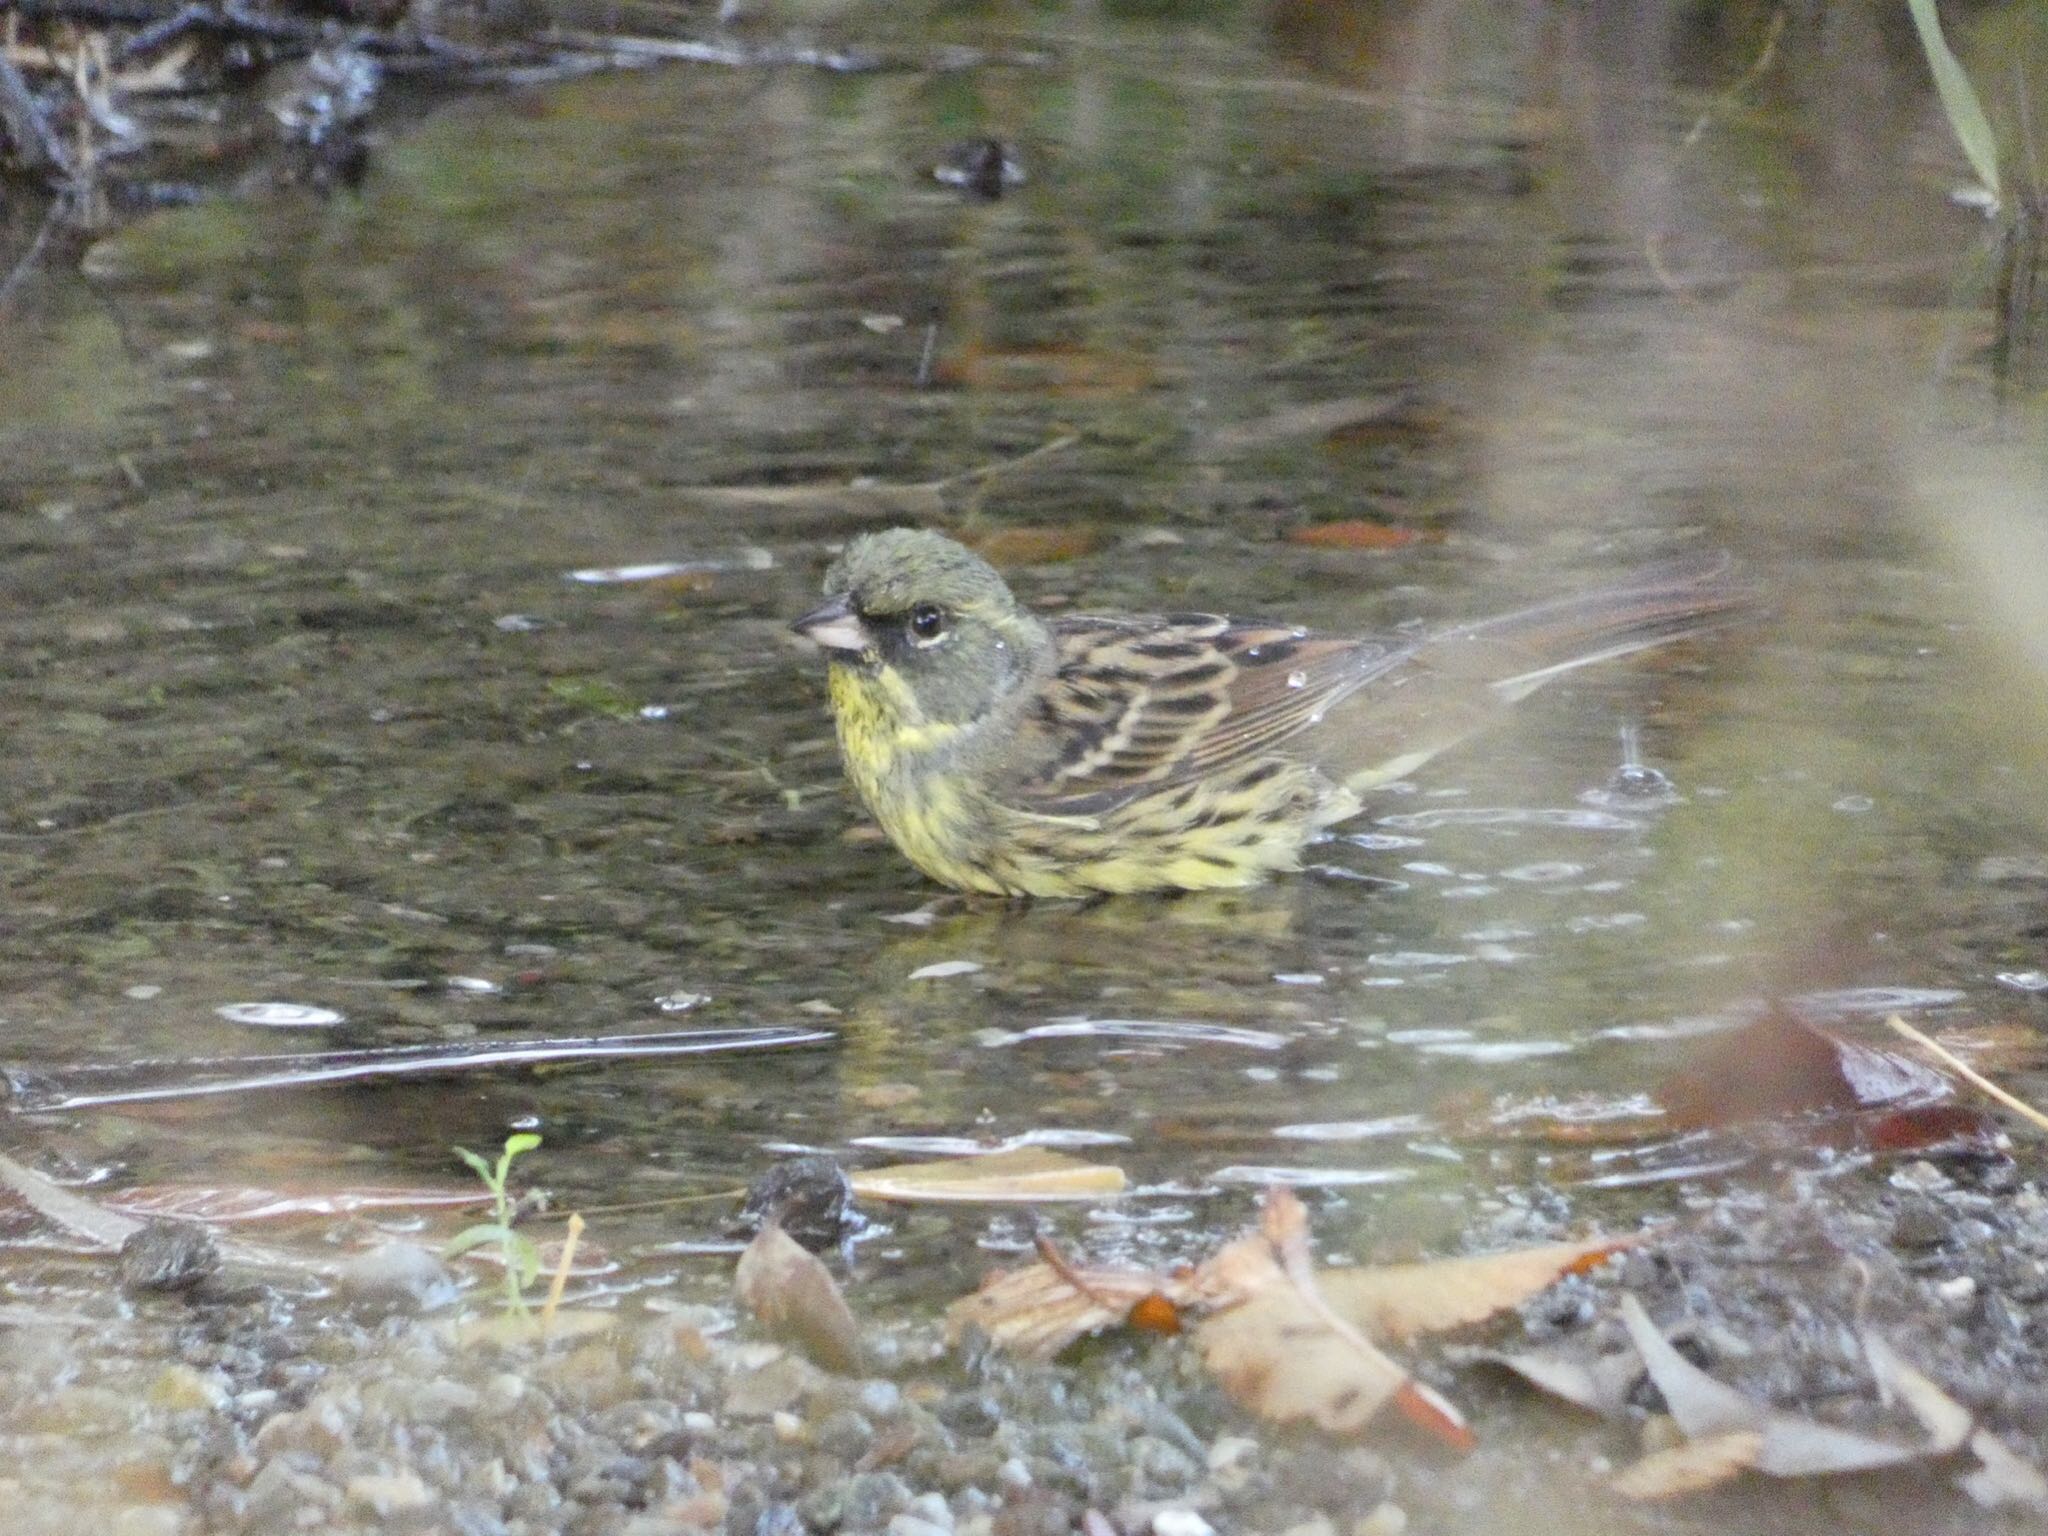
300,698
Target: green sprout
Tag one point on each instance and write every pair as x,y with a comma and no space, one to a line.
515,1249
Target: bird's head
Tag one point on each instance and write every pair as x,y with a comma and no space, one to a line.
931,621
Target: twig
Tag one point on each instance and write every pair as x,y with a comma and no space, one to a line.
1970,1074
997,467
560,1280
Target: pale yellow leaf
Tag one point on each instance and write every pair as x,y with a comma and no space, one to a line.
1688,1468
1022,1174
1398,1301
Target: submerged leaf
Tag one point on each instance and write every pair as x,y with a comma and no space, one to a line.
1399,1301
1690,1467
1791,1446
1019,1174
1039,1310
1282,1352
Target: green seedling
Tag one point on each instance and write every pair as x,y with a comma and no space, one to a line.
515,1249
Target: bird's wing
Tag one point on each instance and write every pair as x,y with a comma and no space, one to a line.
1141,702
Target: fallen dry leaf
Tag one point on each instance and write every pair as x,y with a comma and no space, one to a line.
1039,1310
1281,1351
1600,1384
1398,1301
1791,1446
1030,1174
2001,1476
793,1295
1690,1467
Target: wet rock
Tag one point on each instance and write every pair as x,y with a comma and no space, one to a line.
390,1495
778,1384
397,1275
808,1197
872,1498
970,1413
181,1387
845,1434
1920,1224
168,1256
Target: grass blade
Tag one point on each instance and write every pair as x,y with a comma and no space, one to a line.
1958,97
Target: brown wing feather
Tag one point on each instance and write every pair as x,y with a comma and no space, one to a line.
1142,702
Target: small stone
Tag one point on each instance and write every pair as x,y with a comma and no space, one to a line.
969,1413
880,1397
1920,1225
781,1383
179,1386
872,1498
787,1426
1321,1525
397,1274
1387,1519
1180,1522
1959,1289
933,1510
910,1525
388,1494
808,1197
1919,1175
1014,1474
168,1256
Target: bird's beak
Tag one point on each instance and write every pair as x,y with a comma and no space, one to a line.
836,626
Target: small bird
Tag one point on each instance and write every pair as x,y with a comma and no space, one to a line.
1005,753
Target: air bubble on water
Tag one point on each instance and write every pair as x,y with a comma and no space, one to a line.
654,711
681,1002
1854,805
1297,679
2024,981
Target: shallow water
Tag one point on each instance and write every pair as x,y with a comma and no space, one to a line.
330,678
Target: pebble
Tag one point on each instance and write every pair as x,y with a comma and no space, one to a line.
1180,1522
168,1256
397,1274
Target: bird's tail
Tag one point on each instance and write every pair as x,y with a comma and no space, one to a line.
1453,683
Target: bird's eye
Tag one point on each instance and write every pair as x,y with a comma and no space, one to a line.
927,622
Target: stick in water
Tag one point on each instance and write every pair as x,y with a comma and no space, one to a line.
1970,1074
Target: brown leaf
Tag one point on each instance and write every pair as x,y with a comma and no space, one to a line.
1690,1467
1398,1301
1600,1384
1028,1174
1281,1351
1782,1065
795,1298
1039,1310
1790,1447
